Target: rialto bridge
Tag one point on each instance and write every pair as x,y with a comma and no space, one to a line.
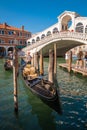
68,32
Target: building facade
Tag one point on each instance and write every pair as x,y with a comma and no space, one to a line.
10,36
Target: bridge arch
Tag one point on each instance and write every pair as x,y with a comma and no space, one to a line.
42,36
79,27
55,30
62,46
66,22
70,26
37,39
48,33
80,38
29,43
86,29
33,41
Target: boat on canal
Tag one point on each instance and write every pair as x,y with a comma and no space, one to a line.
8,65
43,89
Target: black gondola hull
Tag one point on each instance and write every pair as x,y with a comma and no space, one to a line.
53,102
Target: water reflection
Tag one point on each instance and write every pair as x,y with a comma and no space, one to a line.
34,114
42,112
73,93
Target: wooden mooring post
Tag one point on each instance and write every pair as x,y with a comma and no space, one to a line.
36,61
41,64
55,65
55,61
70,62
32,60
51,66
15,73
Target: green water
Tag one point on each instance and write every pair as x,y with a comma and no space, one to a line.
33,113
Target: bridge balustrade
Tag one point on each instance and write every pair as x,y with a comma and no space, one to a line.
59,36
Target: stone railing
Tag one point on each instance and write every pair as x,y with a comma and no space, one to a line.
58,36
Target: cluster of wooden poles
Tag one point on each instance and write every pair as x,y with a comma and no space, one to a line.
52,69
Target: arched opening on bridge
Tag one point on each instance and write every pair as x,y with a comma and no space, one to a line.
62,47
86,29
79,27
66,22
55,30
42,36
69,23
37,39
29,43
33,41
48,33
2,51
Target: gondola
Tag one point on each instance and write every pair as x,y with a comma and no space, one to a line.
8,64
43,89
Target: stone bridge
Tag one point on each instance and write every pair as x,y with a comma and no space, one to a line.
62,39
68,32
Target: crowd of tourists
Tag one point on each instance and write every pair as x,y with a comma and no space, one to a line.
81,59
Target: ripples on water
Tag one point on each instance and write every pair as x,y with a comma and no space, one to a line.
34,114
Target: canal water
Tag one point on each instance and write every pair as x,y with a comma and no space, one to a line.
33,113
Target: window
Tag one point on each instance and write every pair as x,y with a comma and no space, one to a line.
11,41
2,32
17,33
2,41
20,33
10,32
20,42
29,35
25,43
